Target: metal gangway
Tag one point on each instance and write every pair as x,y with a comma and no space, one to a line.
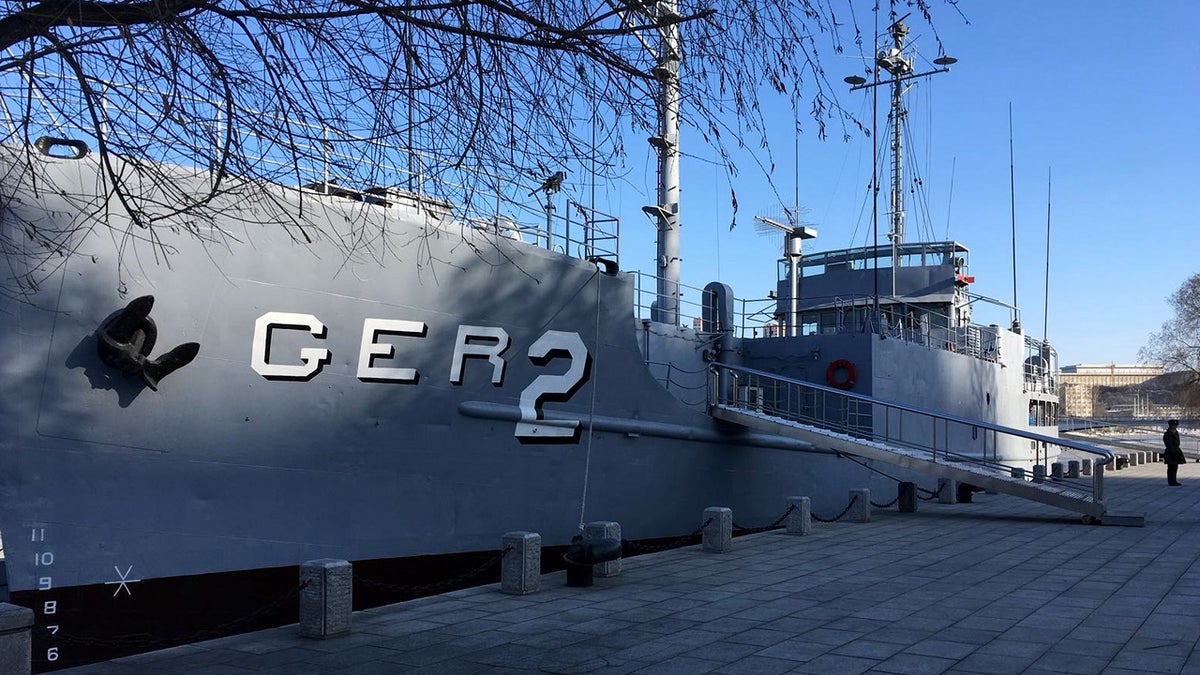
961,449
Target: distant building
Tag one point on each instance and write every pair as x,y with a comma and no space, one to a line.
1078,385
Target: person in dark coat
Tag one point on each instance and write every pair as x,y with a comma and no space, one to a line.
1173,455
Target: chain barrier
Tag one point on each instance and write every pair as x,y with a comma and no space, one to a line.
631,548
839,516
436,586
145,641
738,529
932,494
887,505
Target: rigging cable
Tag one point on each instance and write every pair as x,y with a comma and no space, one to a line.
1012,202
950,197
875,175
716,210
858,171
1046,299
922,223
587,464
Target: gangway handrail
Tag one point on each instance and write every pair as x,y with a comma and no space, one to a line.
1065,442
938,442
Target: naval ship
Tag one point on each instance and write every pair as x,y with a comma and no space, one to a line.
399,378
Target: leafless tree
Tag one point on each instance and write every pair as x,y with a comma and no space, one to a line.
372,92
1177,344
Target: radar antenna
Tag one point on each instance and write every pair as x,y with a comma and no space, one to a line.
793,235
896,62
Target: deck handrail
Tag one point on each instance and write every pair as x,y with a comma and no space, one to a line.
876,420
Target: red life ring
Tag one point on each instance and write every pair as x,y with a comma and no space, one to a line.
831,374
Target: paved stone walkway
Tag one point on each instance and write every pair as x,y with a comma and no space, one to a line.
996,586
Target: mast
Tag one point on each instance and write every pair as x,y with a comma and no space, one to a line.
894,61
666,143
1012,205
900,67
1046,281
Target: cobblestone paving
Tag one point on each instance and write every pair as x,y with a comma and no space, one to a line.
996,586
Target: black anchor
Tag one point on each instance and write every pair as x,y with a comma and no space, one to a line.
125,341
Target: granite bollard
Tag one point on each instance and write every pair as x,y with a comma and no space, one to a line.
947,491
717,534
1085,467
1039,473
906,496
1056,471
16,639
860,511
326,598
521,566
799,519
1073,468
604,529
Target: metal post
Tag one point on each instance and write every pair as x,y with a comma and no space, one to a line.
666,210
582,252
549,219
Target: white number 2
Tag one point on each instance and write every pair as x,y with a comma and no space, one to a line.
533,427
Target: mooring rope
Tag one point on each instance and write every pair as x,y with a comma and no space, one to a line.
587,464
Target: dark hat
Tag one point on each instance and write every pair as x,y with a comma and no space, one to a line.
1172,423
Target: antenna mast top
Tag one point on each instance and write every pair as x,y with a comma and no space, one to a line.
893,60
898,66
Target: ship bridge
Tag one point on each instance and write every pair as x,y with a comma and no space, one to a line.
928,442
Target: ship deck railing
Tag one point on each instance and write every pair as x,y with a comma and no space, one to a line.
358,165
911,253
930,437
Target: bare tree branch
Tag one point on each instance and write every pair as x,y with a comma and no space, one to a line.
375,93
1177,344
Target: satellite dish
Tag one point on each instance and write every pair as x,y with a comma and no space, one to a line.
945,61
854,80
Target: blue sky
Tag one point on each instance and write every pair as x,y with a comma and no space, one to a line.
1104,95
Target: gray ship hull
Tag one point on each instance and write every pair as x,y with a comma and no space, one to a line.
350,399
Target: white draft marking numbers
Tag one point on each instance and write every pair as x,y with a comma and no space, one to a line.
45,583
533,426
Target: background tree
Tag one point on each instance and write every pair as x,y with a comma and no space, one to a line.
372,92
1177,344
